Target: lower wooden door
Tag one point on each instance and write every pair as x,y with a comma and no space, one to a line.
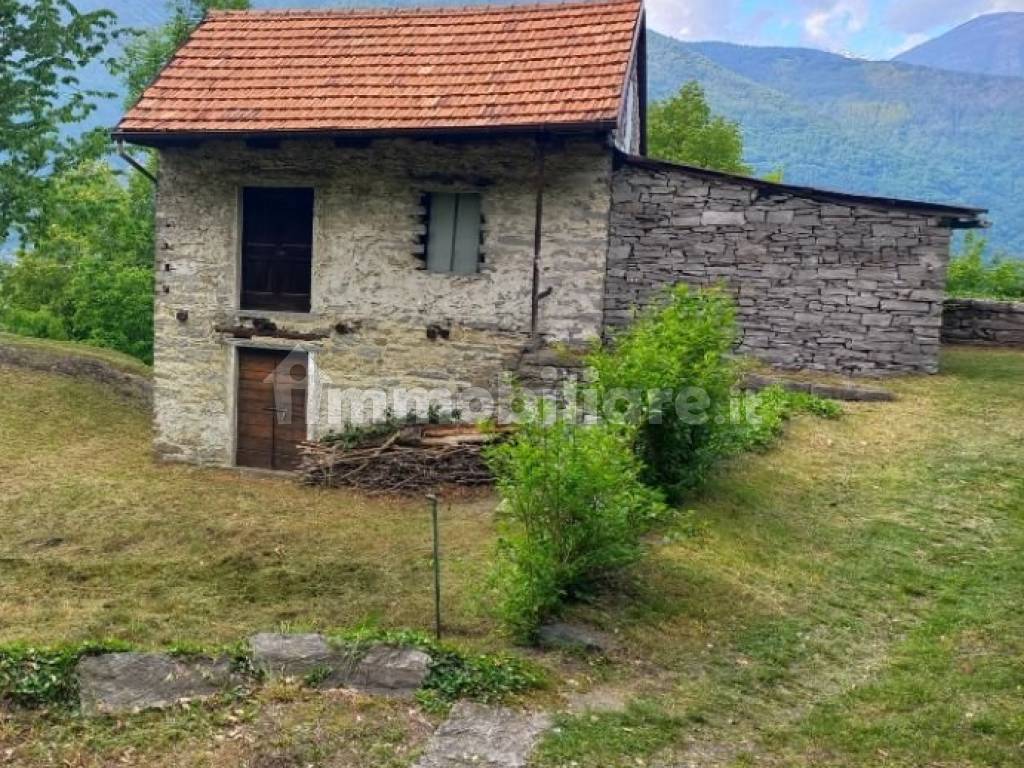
271,403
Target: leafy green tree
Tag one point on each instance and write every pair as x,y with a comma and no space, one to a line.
42,45
149,52
682,129
85,272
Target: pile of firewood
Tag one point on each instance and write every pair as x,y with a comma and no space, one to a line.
409,458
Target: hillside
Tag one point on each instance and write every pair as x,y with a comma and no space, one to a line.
873,127
991,45
852,593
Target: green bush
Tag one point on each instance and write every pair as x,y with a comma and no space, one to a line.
671,373
972,276
573,509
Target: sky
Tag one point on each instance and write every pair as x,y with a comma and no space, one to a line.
872,29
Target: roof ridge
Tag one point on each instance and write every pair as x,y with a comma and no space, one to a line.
371,11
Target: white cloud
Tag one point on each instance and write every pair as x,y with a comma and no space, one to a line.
831,24
692,19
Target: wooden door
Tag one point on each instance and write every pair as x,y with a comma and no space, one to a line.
277,248
271,404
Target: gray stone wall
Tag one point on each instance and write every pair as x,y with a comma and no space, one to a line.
983,321
372,302
822,285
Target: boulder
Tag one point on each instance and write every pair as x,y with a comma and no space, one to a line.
574,637
291,655
484,737
391,671
124,683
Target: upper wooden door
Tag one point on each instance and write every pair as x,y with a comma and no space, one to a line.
277,248
271,408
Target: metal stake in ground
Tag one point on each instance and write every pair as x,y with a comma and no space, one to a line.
432,498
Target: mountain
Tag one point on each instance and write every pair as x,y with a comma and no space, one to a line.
991,45
880,128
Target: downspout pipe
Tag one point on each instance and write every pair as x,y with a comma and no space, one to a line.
535,294
123,154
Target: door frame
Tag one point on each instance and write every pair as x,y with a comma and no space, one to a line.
312,393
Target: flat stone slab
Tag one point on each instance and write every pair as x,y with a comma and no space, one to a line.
484,737
574,637
384,670
125,683
388,670
291,655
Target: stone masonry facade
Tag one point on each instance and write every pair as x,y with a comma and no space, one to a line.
853,287
378,319
824,283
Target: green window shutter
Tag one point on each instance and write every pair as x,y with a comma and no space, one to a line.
453,240
441,239
466,250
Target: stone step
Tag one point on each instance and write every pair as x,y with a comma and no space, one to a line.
484,737
383,670
126,683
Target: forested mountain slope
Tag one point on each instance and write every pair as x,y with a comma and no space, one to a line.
991,44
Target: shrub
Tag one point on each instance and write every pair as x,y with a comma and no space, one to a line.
671,373
573,509
970,275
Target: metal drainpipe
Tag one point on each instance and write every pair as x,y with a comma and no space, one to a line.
133,162
537,239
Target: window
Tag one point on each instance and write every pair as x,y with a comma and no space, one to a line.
277,248
453,232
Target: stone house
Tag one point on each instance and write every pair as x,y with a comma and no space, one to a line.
431,199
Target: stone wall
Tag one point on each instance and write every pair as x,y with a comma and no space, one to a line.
822,284
981,321
372,302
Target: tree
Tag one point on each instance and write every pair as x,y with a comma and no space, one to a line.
86,270
146,55
42,44
681,129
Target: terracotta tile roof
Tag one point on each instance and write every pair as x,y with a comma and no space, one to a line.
393,70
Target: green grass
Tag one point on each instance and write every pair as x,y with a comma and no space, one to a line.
854,598
849,597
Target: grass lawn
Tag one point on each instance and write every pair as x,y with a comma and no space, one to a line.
851,597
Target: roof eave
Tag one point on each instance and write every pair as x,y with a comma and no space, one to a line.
157,138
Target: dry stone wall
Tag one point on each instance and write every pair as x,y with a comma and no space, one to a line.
982,321
822,285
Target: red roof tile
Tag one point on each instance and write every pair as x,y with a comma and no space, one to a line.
393,70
